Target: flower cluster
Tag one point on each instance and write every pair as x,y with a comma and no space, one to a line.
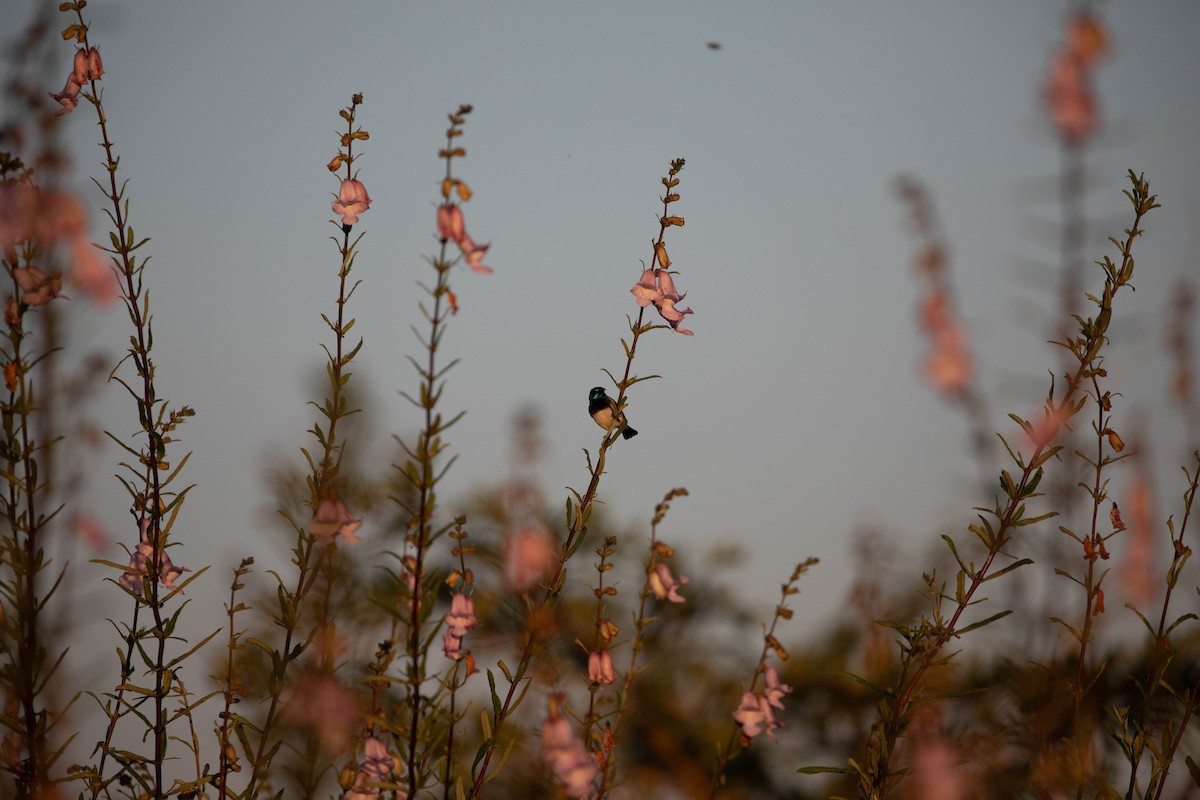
948,366
451,228
87,67
1068,94
565,754
658,287
755,713
139,561
377,764
460,619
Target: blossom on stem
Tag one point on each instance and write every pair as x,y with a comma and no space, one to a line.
566,756
37,288
460,620
657,287
139,563
86,66
755,713
600,667
377,764
451,228
664,584
352,200
68,98
332,519
774,690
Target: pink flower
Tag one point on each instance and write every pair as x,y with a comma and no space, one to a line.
68,98
377,764
754,714
450,223
95,65
460,620
664,584
334,519
37,289
322,705
474,255
658,287
80,72
451,228
600,668
139,563
529,557
352,201
566,755
775,690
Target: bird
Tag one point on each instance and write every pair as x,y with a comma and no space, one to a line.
604,410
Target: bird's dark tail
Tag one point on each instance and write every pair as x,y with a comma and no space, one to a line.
628,433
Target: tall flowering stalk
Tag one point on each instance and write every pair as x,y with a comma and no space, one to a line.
423,470
331,519
655,287
27,438
949,367
1093,549
922,645
659,583
755,713
155,506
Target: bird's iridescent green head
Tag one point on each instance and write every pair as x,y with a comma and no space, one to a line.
597,393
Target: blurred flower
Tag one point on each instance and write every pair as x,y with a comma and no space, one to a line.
948,365
529,556
664,584
936,772
140,559
1138,569
326,708
1067,92
656,286
91,273
1068,98
12,313
460,619
333,519
600,667
335,163
566,755
1086,38
352,201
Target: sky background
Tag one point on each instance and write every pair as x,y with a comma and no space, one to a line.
796,415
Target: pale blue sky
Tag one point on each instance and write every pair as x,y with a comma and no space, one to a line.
796,413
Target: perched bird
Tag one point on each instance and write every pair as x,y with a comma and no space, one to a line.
604,410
